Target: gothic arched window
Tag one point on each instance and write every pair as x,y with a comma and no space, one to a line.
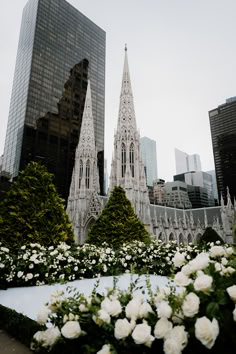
87,174
123,160
131,159
80,172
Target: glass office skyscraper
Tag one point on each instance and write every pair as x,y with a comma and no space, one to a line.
149,156
223,133
58,49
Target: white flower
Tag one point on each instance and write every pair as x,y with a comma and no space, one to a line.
122,328
142,335
102,317
71,330
217,251
200,262
181,279
164,309
186,269
229,251
144,310
83,308
162,328
203,283
42,316
179,334
2,265
206,331
224,261
232,292
65,318
234,314
39,337
29,276
4,249
111,307
132,308
178,259
19,274
228,270
218,267
190,305
50,336
172,346
105,349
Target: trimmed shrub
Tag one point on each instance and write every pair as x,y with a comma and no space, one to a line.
118,222
33,212
210,235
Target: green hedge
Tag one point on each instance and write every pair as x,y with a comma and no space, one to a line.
19,326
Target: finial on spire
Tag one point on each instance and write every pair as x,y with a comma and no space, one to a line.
125,47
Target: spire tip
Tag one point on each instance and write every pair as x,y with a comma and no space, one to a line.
125,47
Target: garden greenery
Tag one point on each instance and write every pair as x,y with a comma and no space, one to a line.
32,211
118,222
196,315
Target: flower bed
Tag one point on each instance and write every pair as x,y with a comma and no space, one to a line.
197,317
37,265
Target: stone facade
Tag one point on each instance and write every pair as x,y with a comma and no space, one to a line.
127,170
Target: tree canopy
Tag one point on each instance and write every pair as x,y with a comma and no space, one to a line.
118,222
32,210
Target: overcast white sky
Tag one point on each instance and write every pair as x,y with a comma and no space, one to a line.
182,59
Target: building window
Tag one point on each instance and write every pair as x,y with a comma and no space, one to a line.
123,160
87,175
80,172
131,159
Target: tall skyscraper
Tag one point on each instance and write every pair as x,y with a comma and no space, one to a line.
58,49
187,163
149,156
223,133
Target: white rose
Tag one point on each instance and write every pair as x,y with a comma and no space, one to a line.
122,328
224,261
39,337
83,308
142,335
132,308
71,330
228,270
234,314
102,317
190,305
178,259
29,276
206,331
218,267
111,307
19,274
186,269
203,283
200,262
229,251
164,309
51,336
42,316
172,346
71,317
217,251
181,279
105,349
162,328
180,335
232,292
144,310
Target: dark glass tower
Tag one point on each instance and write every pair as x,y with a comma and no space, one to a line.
58,48
223,132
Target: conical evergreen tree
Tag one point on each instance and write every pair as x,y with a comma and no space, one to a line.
118,222
210,235
32,211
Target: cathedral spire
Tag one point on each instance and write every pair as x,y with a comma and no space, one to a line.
126,111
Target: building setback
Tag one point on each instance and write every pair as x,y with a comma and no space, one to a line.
58,49
223,133
187,163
